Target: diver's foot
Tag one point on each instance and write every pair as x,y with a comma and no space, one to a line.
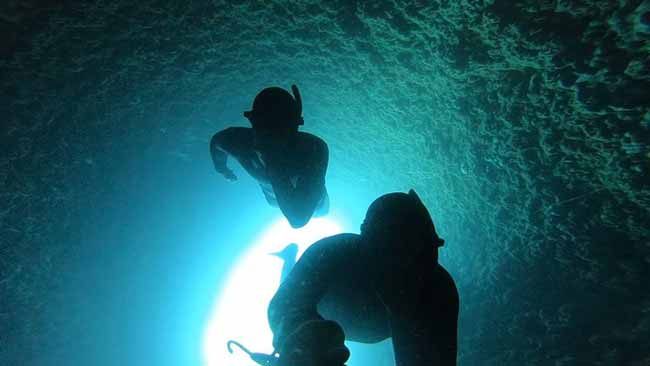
323,207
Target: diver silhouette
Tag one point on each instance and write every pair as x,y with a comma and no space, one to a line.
289,165
385,282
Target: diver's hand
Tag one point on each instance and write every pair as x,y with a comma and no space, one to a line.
227,173
315,343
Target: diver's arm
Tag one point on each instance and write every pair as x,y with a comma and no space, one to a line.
218,152
298,198
412,347
226,142
430,335
219,157
296,300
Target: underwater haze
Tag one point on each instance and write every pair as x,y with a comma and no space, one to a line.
524,126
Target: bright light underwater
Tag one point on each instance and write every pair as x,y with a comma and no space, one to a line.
240,309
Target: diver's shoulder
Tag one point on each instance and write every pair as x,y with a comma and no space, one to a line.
444,279
338,238
236,131
344,237
233,133
233,139
335,242
312,144
312,139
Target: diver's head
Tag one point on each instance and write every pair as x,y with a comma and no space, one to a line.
398,227
275,110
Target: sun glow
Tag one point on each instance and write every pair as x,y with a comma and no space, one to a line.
240,310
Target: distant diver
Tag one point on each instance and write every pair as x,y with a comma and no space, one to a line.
288,256
289,165
385,282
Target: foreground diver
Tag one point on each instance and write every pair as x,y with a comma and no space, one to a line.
386,282
289,165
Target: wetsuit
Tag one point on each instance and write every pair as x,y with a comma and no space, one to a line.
293,179
331,281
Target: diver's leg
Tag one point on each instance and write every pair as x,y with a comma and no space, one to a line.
323,207
270,198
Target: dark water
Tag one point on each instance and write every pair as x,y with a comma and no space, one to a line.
523,125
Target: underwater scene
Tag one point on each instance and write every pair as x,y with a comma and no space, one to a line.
302,182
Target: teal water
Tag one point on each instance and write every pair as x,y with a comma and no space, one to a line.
523,126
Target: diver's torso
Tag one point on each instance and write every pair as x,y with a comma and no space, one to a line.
295,159
350,298
347,293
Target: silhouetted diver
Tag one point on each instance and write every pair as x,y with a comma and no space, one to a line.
385,282
289,165
288,256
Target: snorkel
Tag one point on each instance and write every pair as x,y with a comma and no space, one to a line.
296,95
261,359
